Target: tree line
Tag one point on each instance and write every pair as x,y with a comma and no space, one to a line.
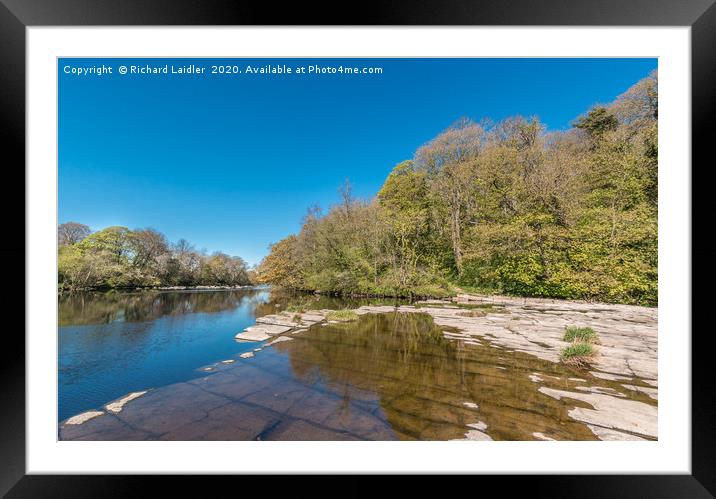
116,257
499,207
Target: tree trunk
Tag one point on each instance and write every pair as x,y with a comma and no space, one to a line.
456,243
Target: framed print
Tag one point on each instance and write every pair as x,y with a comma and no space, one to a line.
441,239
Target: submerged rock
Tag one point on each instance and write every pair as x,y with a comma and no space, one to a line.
279,340
610,377
651,392
541,436
601,390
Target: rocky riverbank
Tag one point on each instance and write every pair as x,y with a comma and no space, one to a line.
627,353
616,398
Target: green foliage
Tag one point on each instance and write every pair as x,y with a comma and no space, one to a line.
578,354
581,334
342,315
597,122
507,208
117,257
577,350
280,264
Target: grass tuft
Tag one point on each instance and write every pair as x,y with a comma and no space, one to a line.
578,354
581,334
344,315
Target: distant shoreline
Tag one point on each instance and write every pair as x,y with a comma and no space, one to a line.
456,295
211,288
162,288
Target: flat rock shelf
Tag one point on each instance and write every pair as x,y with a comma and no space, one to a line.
471,368
275,324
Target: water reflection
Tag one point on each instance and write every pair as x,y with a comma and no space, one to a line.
426,385
105,308
382,377
121,306
112,343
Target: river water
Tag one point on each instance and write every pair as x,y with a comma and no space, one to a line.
383,377
113,343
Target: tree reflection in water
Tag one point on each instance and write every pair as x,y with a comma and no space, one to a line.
419,381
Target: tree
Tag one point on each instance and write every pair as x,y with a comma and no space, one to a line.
597,122
447,159
405,211
221,269
112,242
148,246
79,270
280,266
505,207
116,257
71,233
640,103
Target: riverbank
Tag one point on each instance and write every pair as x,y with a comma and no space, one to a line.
510,353
452,292
199,288
156,288
531,325
627,353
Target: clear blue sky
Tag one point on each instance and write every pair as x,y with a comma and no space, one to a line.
231,163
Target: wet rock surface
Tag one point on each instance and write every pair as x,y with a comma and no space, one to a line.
275,324
628,334
428,371
83,417
118,405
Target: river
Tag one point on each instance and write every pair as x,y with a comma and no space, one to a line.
113,343
386,376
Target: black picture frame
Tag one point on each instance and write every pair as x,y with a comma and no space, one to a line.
17,15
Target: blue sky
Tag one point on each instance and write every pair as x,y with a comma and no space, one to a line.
232,162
